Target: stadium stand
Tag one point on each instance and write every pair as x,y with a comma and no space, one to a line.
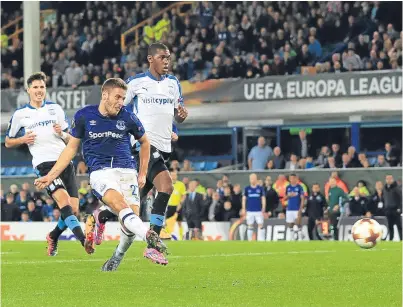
210,40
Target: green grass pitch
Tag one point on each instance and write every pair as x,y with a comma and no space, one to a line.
229,274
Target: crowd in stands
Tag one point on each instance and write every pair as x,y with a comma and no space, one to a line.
302,156
211,40
221,202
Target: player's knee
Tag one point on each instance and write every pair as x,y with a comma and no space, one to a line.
167,188
260,226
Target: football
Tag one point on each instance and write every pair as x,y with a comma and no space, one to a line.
366,232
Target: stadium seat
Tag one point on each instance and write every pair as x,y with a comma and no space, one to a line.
21,171
210,165
3,170
198,166
10,171
30,171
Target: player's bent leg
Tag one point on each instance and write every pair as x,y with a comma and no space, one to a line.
64,202
163,183
133,224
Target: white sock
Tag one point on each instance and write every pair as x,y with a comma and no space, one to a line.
261,233
133,223
250,234
296,230
124,244
292,234
300,234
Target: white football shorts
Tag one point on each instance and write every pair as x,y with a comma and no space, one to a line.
291,216
252,216
123,180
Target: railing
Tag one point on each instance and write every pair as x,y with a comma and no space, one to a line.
17,23
137,29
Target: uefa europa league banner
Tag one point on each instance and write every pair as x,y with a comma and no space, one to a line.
379,83
276,229
294,87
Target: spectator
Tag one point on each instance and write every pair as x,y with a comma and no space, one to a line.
22,200
315,206
336,154
331,162
301,146
25,217
293,163
280,187
187,166
376,204
323,156
315,47
272,199
339,183
215,204
192,207
10,211
236,199
334,198
392,155
381,162
357,204
353,156
346,161
278,158
362,47
392,194
352,60
228,212
35,213
259,155
14,191
309,163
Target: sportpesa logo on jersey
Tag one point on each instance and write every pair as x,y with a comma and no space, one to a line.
159,100
107,134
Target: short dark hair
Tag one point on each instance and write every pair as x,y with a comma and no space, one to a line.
293,175
113,83
36,76
152,49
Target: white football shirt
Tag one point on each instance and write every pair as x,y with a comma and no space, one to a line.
154,102
48,145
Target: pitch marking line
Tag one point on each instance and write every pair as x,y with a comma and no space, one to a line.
49,261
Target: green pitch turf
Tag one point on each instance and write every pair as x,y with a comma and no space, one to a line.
205,274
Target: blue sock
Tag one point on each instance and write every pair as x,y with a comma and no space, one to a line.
157,220
72,223
60,227
61,224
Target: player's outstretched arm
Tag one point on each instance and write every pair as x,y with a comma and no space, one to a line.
64,160
144,159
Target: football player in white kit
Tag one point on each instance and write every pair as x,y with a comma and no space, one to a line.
43,126
155,97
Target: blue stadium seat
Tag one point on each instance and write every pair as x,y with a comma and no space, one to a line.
30,171
3,170
20,171
210,165
198,166
10,171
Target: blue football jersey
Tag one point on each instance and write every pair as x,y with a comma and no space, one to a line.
294,194
106,140
254,198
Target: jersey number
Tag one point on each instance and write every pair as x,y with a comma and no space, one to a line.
134,189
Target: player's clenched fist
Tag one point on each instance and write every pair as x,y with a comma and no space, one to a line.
42,182
182,112
29,138
141,180
58,129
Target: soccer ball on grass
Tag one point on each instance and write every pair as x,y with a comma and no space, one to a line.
366,232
